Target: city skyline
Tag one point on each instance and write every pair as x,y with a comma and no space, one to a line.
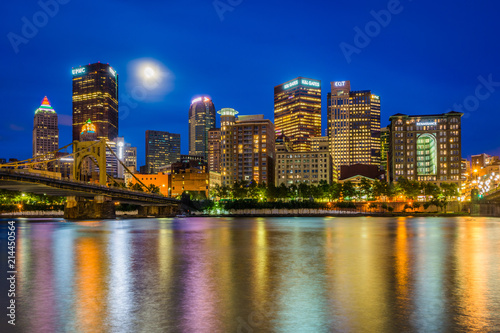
229,84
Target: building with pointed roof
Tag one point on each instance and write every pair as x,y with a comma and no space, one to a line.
45,131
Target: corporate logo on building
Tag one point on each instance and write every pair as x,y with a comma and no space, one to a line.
78,71
426,123
303,82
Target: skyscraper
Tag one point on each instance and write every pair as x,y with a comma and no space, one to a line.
297,111
162,148
45,130
201,120
247,145
214,149
95,97
353,126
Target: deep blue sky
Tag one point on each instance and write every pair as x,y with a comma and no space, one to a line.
428,58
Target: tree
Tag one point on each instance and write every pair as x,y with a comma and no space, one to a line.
380,189
262,191
271,192
407,206
431,189
152,188
304,190
395,190
334,191
315,192
411,188
349,191
252,190
239,189
282,191
449,190
137,187
366,188
292,191
324,189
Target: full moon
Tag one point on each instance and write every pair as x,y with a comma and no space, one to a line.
149,72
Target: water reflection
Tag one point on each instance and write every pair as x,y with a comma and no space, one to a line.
262,274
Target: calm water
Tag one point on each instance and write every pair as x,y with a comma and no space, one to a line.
257,275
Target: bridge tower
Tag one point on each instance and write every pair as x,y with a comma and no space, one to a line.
92,149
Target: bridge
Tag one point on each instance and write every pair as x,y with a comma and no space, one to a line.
488,205
85,199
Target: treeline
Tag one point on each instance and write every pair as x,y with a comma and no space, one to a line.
12,201
366,190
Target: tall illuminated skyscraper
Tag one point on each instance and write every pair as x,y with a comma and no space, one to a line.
201,120
162,148
45,130
297,111
95,97
353,126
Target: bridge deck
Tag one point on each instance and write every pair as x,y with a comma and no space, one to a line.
24,181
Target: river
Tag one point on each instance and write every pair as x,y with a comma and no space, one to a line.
312,274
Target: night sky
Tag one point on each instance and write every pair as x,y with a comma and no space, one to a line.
429,57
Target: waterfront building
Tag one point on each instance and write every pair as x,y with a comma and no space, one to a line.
353,126
191,177
297,111
95,97
201,120
426,147
247,148
159,179
162,148
309,167
214,137
45,131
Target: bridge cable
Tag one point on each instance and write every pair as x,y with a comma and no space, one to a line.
126,168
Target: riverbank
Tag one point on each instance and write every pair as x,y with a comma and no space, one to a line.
325,214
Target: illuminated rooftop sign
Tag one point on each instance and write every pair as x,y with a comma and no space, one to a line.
339,84
426,123
291,84
310,83
199,99
112,71
304,82
77,71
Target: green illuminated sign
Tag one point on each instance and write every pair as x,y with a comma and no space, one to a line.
80,70
303,82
